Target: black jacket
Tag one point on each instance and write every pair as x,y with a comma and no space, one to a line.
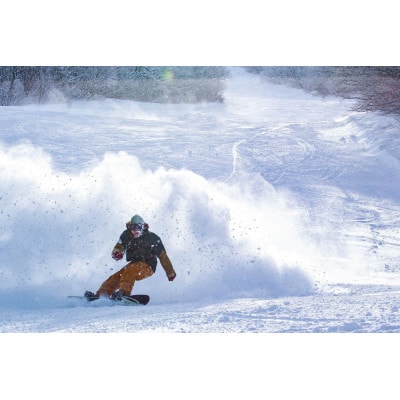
146,247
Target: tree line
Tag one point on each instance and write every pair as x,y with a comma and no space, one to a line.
375,88
41,84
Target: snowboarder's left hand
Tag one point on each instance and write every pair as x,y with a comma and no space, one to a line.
117,255
171,276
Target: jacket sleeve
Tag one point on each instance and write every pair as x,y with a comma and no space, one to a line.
119,247
166,264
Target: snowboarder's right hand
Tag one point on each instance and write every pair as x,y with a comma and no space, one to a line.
117,255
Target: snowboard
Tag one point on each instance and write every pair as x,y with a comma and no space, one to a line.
133,299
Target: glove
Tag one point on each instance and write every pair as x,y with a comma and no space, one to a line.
171,276
117,255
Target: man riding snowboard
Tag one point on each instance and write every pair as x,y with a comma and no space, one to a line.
142,248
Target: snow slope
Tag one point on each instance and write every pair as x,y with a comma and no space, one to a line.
280,212
269,205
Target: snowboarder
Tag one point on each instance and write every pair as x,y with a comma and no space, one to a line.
142,248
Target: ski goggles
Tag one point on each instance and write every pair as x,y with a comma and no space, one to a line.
136,227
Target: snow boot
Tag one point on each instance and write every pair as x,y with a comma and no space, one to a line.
90,296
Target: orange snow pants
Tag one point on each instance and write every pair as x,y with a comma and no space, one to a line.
125,278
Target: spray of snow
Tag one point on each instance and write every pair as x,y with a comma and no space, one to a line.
224,239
